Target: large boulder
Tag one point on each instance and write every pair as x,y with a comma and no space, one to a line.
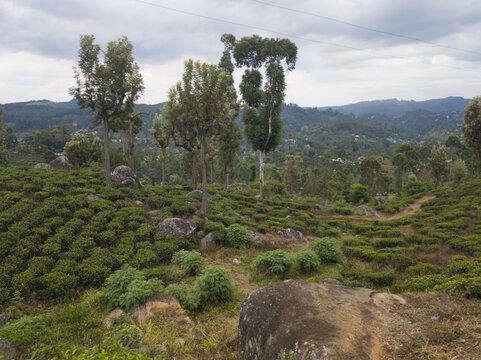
381,199
123,175
42,166
61,163
6,351
180,228
294,235
316,321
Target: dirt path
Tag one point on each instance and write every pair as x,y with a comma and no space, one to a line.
411,209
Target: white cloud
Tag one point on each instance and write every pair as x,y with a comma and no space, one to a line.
40,43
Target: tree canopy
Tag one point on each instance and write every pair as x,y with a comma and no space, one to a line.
109,87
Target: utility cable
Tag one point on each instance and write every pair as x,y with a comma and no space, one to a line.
211,18
366,28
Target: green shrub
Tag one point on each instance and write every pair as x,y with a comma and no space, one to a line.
358,194
307,260
380,279
139,291
181,208
360,241
424,283
424,269
187,298
389,242
215,285
462,285
116,284
124,334
24,332
327,250
237,236
145,257
192,262
274,262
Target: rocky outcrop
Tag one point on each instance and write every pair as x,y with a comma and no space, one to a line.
152,214
42,166
381,199
294,235
158,305
61,163
123,175
316,321
207,241
6,351
194,192
109,320
260,240
369,212
180,228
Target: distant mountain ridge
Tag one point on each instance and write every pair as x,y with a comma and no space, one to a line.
393,107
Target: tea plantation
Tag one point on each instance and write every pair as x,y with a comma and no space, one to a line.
67,258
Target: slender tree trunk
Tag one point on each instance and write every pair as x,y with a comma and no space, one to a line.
226,176
107,151
124,150
132,145
163,170
194,171
212,171
261,173
203,167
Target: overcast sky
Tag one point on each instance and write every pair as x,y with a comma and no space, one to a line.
437,52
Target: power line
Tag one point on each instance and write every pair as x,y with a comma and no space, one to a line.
211,18
366,28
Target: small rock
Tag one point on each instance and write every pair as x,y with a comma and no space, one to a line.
331,281
237,261
144,349
369,212
179,341
434,318
112,316
206,241
6,351
154,213
294,234
195,192
381,199
259,239
92,197
42,166
139,203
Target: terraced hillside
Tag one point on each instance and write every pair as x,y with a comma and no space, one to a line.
62,234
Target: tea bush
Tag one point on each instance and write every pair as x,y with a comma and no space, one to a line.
187,298
192,262
214,286
237,236
327,250
307,260
273,262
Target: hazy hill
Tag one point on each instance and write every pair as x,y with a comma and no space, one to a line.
397,107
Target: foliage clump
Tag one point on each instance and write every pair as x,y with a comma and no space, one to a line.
307,260
191,261
215,286
128,287
237,236
327,249
273,262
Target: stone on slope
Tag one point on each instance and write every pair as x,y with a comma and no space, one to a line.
61,163
180,228
123,175
369,212
42,166
316,321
